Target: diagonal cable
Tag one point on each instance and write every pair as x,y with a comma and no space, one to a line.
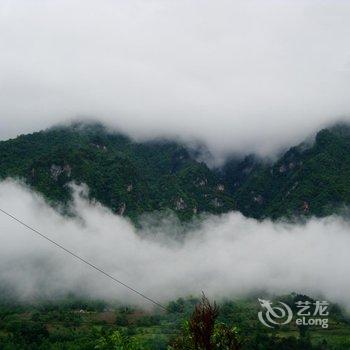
83,260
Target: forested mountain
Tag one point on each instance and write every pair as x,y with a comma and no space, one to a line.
132,177
309,179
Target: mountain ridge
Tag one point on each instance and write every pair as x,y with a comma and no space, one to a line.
133,178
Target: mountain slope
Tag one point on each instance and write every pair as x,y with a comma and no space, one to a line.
130,178
305,180
133,178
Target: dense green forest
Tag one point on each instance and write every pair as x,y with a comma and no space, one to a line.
132,177
74,323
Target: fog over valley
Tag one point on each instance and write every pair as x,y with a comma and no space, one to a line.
225,256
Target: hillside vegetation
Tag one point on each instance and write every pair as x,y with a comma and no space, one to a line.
132,177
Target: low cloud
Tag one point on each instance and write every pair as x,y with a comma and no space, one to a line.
224,256
241,76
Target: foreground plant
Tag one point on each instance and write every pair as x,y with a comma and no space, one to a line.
202,332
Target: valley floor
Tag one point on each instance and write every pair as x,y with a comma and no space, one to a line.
81,324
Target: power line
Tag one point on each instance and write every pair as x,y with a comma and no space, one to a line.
84,261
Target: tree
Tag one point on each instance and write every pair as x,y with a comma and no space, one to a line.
202,332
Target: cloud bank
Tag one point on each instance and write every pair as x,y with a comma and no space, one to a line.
224,256
242,76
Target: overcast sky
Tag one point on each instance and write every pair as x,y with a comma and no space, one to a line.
240,75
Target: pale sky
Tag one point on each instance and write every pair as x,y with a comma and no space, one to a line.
242,76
